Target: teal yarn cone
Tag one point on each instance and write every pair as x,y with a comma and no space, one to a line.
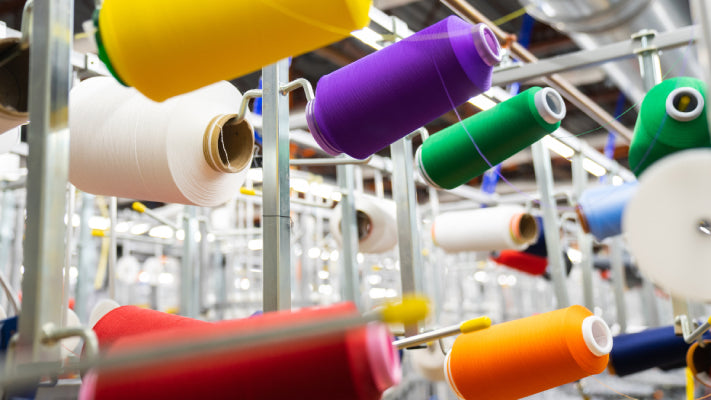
673,112
450,158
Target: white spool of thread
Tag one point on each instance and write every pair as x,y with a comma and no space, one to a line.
485,229
376,221
429,362
188,149
103,307
14,80
668,224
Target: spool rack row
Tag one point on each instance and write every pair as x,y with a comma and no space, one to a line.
46,184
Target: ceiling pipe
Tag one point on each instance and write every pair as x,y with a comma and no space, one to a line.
594,23
566,89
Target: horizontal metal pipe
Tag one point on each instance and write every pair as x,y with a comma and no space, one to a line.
427,337
587,58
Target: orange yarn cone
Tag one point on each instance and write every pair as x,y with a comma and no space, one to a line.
519,358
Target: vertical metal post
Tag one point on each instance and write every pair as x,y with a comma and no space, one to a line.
203,269
276,220
408,238
618,275
651,73
308,264
7,229
544,180
358,178
378,182
701,11
435,276
580,178
47,164
86,258
17,250
188,303
7,225
350,285
111,271
248,266
68,245
680,306
650,67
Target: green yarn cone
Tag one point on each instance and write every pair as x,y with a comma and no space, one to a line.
448,158
671,134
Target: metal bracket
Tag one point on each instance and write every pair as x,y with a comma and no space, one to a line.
141,208
26,23
246,97
689,334
295,84
329,161
309,92
472,325
645,38
51,334
648,55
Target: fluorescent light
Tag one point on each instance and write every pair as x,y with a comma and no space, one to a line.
617,180
166,278
482,102
506,280
244,284
323,274
557,146
254,244
375,279
100,223
574,255
300,185
481,276
161,232
314,252
379,293
140,229
593,167
369,37
122,227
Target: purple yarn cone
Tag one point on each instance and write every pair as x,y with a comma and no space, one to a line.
377,100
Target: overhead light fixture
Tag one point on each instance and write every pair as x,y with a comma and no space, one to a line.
300,185
161,232
557,146
99,223
593,167
254,244
482,102
369,37
140,229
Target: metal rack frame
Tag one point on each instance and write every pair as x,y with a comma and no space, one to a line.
50,68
